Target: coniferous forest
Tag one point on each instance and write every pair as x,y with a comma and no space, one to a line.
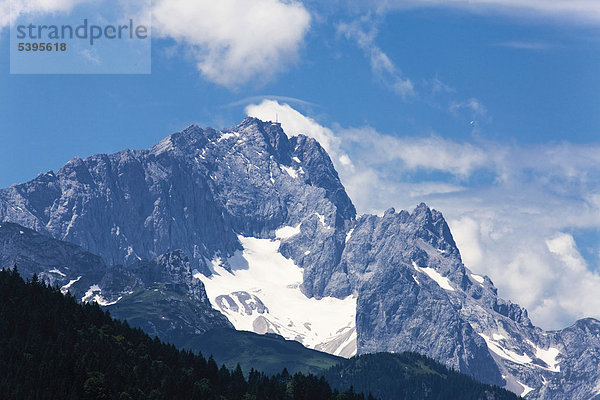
409,376
52,347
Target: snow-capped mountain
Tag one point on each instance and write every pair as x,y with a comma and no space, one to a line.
259,225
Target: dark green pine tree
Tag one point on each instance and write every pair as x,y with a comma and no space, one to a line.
51,347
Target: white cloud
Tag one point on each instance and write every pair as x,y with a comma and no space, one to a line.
383,68
469,232
232,41
431,153
513,224
235,41
14,8
526,45
583,10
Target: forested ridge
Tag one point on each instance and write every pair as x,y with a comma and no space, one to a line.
52,347
410,376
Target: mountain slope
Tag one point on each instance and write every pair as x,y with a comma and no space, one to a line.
166,284
161,297
192,191
267,353
54,261
415,294
409,376
266,224
54,348
201,191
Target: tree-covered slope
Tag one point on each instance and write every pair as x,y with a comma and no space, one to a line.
51,347
410,376
268,353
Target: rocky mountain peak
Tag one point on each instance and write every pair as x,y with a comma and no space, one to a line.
252,198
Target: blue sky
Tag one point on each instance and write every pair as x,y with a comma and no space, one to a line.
486,110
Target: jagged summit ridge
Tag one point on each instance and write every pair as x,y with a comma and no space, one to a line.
193,191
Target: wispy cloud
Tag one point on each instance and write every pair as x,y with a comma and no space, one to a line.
473,105
525,45
436,85
90,56
512,208
580,10
257,99
383,68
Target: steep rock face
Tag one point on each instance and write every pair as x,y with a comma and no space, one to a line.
161,295
400,307
54,261
415,294
192,191
579,360
125,206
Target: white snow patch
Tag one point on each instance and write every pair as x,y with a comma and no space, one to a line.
504,352
65,288
296,159
287,232
163,146
94,293
322,219
225,136
416,280
100,300
526,389
350,341
478,278
21,232
290,171
549,357
131,252
349,234
56,271
307,252
544,381
90,293
442,281
260,274
498,337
